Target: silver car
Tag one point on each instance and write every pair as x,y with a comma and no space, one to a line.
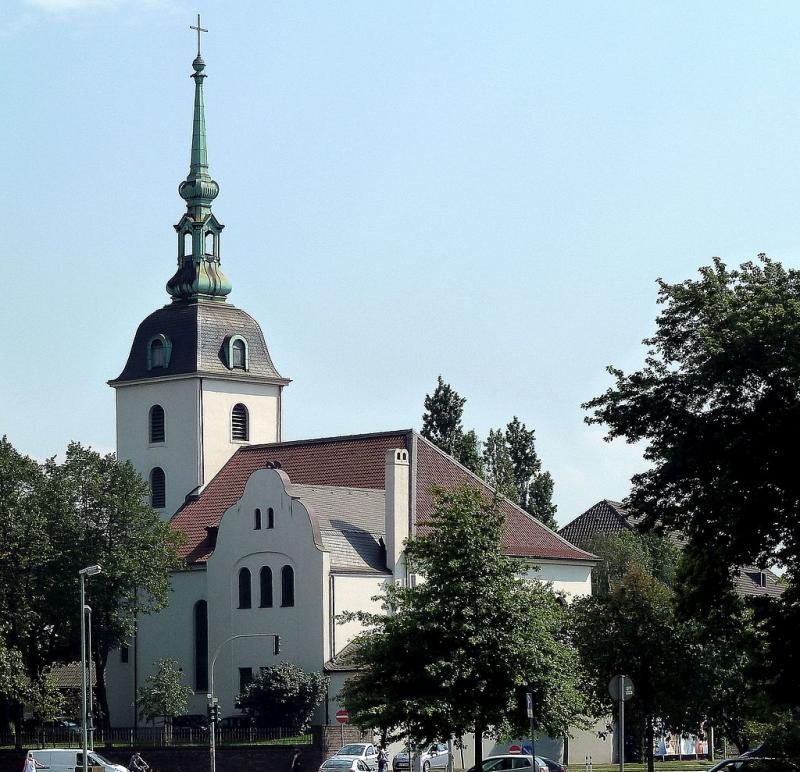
434,756
366,752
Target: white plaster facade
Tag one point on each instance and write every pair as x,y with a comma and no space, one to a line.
197,415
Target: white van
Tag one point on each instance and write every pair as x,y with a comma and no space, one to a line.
71,760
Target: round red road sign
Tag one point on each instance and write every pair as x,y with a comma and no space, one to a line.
515,749
341,716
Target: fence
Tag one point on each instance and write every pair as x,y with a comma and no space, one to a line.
155,737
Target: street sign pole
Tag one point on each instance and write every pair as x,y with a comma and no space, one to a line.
529,706
622,723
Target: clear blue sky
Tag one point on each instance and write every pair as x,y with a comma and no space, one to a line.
482,190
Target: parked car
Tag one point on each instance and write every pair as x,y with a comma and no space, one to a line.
191,721
70,759
553,766
511,761
434,756
62,724
236,722
367,752
344,764
756,764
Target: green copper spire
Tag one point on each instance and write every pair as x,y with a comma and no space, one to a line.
199,273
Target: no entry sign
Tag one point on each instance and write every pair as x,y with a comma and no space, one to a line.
515,749
341,716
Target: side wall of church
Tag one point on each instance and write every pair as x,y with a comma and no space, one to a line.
178,455
218,399
573,579
352,592
240,545
166,634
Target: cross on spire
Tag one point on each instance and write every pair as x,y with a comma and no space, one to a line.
199,30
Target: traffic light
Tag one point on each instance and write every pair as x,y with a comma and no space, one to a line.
276,645
213,712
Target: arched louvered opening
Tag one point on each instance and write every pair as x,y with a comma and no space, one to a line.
201,646
270,518
244,588
265,581
157,432
239,428
257,520
158,488
287,586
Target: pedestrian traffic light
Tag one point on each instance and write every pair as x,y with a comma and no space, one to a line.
213,712
276,645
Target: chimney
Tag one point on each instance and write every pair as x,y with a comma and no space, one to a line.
397,509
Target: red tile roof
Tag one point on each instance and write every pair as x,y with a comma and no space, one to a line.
356,461
523,536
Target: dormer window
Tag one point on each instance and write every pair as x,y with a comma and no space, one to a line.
238,355
159,350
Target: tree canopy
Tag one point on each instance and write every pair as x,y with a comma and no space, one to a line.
164,694
451,655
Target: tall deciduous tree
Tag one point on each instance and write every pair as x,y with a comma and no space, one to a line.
104,519
717,404
499,466
450,655
534,487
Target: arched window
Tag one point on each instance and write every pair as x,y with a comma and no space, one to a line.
270,518
187,244
239,428
209,243
157,424
265,580
257,520
201,646
287,586
244,588
159,350
158,488
236,351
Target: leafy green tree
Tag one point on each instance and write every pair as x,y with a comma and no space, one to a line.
633,630
164,694
499,466
533,486
283,695
442,425
103,518
717,405
450,655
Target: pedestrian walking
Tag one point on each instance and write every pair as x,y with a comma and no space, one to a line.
383,759
296,760
31,765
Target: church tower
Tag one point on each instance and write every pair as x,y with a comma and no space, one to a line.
199,381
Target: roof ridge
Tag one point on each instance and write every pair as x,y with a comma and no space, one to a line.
316,440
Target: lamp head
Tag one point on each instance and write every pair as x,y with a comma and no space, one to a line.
91,571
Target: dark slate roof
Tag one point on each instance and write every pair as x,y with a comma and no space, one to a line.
357,461
342,661
606,516
198,332
611,517
351,520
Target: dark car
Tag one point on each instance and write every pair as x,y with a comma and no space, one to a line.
552,766
756,764
236,722
191,721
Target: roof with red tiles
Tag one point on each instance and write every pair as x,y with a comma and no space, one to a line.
357,461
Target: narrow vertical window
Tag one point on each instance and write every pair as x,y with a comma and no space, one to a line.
245,677
270,518
238,354
244,588
257,520
156,354
158,488
287,586
123,654
209,243
239,428
157,433
201,646
265,580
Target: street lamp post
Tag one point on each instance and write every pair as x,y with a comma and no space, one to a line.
212,734
82,574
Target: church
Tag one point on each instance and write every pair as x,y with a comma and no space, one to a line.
280,537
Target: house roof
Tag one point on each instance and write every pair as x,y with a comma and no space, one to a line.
356,462
342,661
612,517
198,332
